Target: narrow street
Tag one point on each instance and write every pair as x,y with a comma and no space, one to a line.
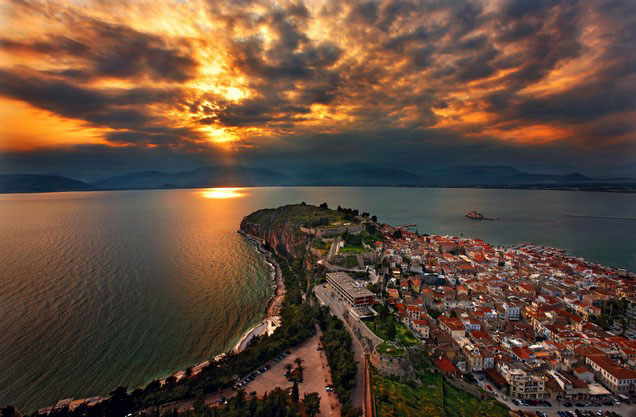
358,395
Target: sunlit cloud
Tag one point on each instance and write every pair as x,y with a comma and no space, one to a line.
191,76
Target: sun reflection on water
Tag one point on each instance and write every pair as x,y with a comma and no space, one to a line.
222,192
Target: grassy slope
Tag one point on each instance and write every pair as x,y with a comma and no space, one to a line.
396,398
431,397
403,334
458,403
353,249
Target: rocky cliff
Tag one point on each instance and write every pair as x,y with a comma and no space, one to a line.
280,227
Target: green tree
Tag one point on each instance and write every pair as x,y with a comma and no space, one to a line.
119,403
199,406
311,402
384,311
390,329
288,368
239,399
171,381
299,366
9,411
153,386
295,395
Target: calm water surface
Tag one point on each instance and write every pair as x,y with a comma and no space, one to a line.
101,289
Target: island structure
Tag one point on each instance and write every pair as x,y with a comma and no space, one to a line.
411,324
478,216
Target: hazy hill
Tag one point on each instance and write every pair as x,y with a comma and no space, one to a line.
28,183
347,175
358,174
479,175
213,176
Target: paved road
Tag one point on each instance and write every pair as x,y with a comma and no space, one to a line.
324,296
364,341
333,249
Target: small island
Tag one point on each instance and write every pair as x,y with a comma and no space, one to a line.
478,216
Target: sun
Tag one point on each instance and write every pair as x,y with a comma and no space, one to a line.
222,193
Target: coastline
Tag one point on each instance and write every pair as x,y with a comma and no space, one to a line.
272,311
267,325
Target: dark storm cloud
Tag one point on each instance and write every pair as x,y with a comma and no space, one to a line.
152,135
257,112
109,108
102,107
553,35
292,63
579,105
373,74
108,50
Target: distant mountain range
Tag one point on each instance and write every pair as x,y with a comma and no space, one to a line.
25,183
213,176
347,175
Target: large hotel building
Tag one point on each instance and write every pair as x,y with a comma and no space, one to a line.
356,295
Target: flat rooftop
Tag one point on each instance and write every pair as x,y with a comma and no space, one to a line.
348,284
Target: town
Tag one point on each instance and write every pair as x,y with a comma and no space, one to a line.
536,329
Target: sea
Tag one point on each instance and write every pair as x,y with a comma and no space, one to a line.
107,289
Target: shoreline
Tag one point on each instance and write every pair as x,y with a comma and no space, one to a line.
272,319
268,324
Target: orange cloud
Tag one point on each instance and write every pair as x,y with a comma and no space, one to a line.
24,127
188,73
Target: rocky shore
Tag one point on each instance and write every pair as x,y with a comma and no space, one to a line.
272,312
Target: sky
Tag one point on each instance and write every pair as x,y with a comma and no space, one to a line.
94,88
